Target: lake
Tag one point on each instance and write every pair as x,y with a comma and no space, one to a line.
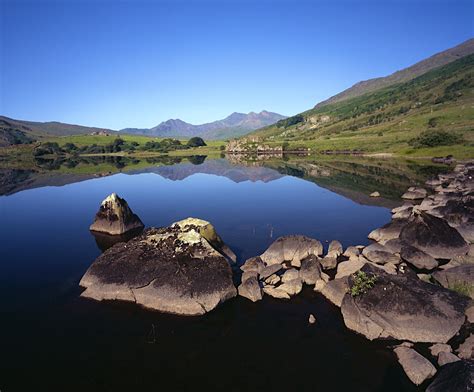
51,339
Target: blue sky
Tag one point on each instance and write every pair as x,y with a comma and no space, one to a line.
120,64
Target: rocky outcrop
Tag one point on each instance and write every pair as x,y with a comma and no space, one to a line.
417,368
115,217
291,249
414,193
454,377
181,269
403,307
460,278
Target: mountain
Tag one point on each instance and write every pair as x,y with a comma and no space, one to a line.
439,105
404,75
51,128
235,125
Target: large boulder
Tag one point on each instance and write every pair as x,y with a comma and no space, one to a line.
460,278
180,269
434,236
335,290
292,249
389,231
310,271
403,307
454,377
115,217
416,367
418,258
250,289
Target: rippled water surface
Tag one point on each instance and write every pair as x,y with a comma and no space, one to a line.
51,339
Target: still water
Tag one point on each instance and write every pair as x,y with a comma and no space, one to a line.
51,339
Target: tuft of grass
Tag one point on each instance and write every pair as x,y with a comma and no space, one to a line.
462,288
362,283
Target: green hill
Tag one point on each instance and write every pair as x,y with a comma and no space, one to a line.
434,110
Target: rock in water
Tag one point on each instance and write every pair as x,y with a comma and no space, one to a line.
416,367
250,289
454,377
434,236
179,269
293,249
115,217
403,307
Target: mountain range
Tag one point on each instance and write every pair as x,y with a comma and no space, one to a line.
235,125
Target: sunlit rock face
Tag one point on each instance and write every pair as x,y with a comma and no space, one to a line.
181,269
115,217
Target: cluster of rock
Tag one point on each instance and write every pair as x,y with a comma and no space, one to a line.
251,145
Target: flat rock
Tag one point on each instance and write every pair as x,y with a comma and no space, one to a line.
253,264
418,258
335,290
276,293
380,255
434,236
250,289
446,357
270,270
454,377
348,267
417,368
460,278
178,269
389,231
115,217
403,307
291,249
310,271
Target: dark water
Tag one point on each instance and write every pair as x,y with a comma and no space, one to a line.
53,340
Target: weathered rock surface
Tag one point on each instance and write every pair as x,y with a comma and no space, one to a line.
115,217
335,290
418,258
350,266
328,262
378,254
414,193
253,264
290,274
292,287
276,293
269,271
389,231
434,236
466,349
446,357
416,367
180,269
454,377
375,194
437,348
250,289
403,307
310,271
291,249
334,248
460,278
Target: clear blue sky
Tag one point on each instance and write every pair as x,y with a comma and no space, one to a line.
120,64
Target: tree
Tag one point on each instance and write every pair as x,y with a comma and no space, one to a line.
196,142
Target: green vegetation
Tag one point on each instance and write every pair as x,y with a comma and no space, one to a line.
465,289
435,139
196,142
388,119
362,283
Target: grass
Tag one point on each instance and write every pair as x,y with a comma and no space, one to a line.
362,283
465,289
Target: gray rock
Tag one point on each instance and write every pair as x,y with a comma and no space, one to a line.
403,307
291,249
375,194
179,269
253,264
328,262
446,357
466,349
251,289
454,377
437,348
311,319
460,278
310,271
351,252
335,290
115,217
418,258
273,280
270,270
389,231
434,236
470,314
292,287
414,193
249,274
276,293
290,274
335,249
380,255
417,368
393,246
349,267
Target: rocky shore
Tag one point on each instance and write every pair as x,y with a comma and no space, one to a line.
413,286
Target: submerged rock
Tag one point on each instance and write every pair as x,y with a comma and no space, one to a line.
180,269
292,249
115,217
403,307
416,367
434,236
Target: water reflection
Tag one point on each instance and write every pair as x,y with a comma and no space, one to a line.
106,241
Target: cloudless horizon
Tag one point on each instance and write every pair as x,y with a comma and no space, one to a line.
120,64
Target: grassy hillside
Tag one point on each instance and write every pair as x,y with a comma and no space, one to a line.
404,75
389,119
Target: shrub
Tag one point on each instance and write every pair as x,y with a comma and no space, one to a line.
434,139
196,142
362,283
